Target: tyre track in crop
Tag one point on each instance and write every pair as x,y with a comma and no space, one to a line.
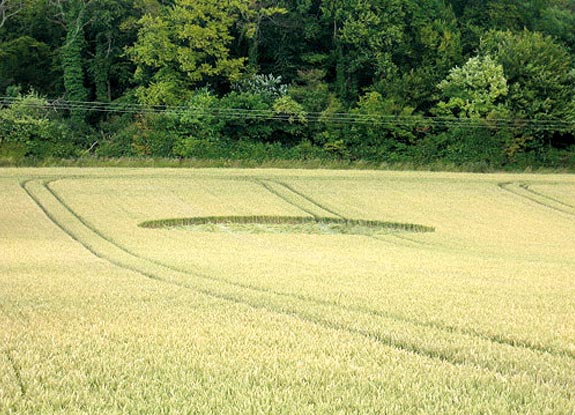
322,208
17,372
440,326
14,313
311,212
315,313
293,195
17,317
535,192
496,339
523,191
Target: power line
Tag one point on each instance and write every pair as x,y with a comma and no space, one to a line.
342,118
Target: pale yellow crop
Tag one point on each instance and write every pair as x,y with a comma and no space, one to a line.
277,291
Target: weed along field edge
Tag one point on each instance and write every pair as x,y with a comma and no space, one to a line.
286,291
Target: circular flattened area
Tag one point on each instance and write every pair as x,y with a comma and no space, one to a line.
285,224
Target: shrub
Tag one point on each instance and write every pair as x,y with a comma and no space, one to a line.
247,117
199,126
373,137
268,87
290,128
116,137
29,128
461,145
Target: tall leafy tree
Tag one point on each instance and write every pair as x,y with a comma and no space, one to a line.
28,45
251,22
9,8
364,36
110,28
296,41
475,90
469,127
73,16
476,17
558,20
540,76
430,47
186,45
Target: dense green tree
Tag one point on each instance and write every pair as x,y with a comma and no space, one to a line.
20,59
9,8
503,65
295,41
182,46
29,128
540,78
475,90
476,17
251,22
472,112
188,44
558,20
28,47
111,26
382,132
364,36
430,47
73,16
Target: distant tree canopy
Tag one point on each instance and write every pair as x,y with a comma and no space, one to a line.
337,62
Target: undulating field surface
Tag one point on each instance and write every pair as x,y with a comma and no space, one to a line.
263,291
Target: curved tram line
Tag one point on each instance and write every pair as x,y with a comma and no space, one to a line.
311,309
290,195
524,191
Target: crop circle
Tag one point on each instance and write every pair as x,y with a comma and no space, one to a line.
285,224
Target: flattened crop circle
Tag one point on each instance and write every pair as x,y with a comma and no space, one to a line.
285,224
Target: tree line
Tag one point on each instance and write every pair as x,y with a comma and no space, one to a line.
476,81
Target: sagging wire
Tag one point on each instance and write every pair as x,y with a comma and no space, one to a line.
314,117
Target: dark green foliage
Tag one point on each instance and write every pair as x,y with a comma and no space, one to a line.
540,77
247,117
199,127
74,17
347,80
376,137
21,62
461,145
29,128
155,135
116,135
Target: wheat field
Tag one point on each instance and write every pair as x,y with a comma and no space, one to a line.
172,291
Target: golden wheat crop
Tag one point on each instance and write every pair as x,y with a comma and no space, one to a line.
465,305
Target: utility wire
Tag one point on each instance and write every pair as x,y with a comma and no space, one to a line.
329,118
